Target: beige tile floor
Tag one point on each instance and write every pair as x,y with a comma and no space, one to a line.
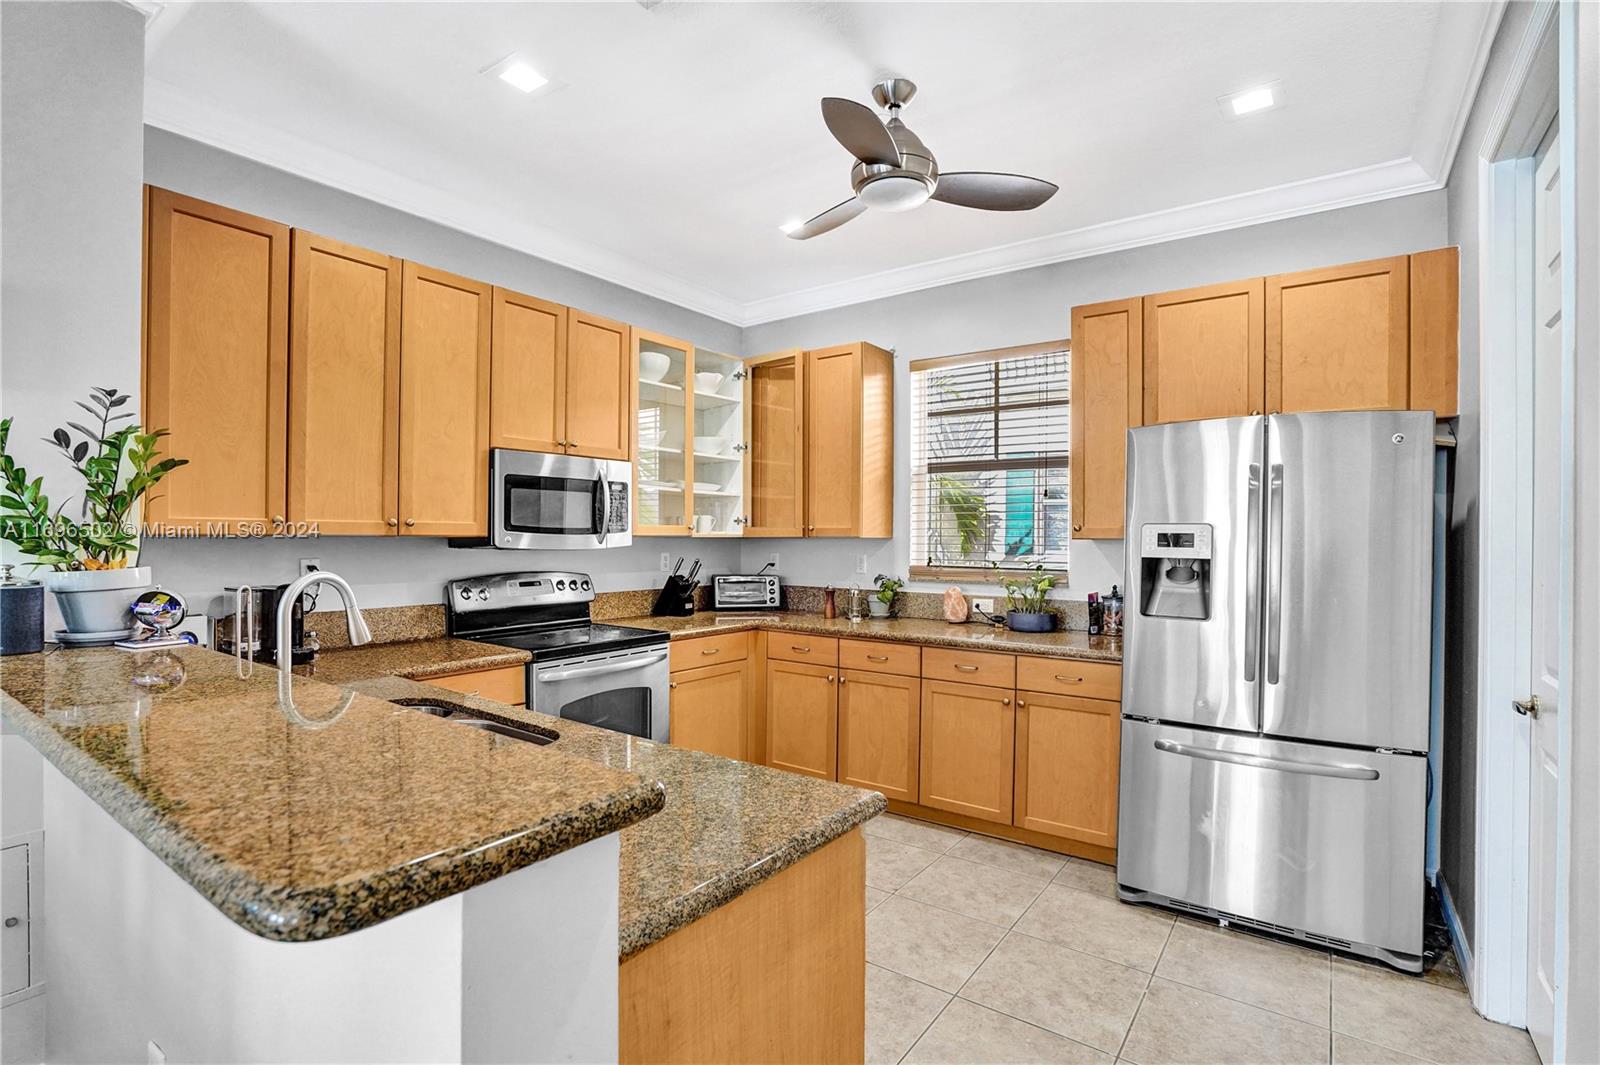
984,951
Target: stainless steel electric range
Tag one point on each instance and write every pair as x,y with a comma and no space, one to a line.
611,676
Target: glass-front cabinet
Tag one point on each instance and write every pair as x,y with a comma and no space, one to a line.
720,445
690,452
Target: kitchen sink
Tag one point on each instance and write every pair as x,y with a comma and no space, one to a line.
459,716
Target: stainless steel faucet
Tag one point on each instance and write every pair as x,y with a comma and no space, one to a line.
359,633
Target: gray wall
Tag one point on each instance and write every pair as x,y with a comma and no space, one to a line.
71,102
1458,831
1034,305
388,571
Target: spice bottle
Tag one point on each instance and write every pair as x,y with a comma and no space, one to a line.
1097,614
1113,616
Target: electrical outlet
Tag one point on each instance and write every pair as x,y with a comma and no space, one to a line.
861,563
984,605
666,562
772,560
307,565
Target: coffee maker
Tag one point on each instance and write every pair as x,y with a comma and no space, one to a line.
1175,564
255,618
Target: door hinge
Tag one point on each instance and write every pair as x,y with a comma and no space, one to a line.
1528,707
740,375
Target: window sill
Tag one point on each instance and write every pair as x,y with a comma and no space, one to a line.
981,574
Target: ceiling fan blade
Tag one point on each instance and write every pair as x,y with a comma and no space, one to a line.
856,127
832,218
993,192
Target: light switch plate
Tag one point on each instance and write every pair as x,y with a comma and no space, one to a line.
666,562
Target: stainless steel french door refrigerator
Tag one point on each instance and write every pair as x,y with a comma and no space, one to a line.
1276,671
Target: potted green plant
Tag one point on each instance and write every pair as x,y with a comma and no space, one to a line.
89,557
1025,601
882,602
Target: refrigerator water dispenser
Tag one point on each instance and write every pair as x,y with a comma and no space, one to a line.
1175,564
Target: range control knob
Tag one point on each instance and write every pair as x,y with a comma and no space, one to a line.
561,586
466,593
483,593
586,586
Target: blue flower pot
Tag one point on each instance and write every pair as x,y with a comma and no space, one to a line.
1017,621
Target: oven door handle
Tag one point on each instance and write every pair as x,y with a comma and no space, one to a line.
605,504
622,666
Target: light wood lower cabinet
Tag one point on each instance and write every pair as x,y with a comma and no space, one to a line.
880,732
504,684
802,718
968,744
1066,771
709,709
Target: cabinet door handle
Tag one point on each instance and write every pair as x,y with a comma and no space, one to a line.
1069,680
1021,704
712,651
877,658
393,522
672,684
1077,526
842,680
830,678
1006,701
797,647
410,522
277,519
963,667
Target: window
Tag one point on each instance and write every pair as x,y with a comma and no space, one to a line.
989,462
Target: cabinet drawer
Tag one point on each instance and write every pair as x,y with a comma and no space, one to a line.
507,684
709,650
1066,676
881,657
970,667
798,647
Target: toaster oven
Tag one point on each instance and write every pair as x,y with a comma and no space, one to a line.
736,592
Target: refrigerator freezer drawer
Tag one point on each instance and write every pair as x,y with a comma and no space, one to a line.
1322,840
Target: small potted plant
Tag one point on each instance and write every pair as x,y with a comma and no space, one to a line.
881,605
1025,601
91,578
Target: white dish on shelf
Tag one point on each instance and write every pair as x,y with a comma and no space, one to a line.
653,366
649,438
708,486
708,382
709,445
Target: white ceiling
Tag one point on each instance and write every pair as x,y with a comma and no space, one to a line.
680,136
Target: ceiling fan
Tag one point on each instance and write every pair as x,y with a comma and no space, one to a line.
894,170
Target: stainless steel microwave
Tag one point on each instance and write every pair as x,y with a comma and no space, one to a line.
543,500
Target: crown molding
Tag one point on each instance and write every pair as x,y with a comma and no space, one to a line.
167,108
1462,44
1400,177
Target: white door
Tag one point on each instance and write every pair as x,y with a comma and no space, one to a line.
1544,680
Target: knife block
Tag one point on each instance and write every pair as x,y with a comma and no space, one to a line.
676,598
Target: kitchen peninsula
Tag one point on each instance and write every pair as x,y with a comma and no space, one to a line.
467,896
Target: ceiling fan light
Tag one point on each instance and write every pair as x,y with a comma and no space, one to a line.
895,192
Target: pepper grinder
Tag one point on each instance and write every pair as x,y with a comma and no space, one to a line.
830,610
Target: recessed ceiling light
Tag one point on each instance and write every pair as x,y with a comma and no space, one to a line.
522,76
1249,101
791,225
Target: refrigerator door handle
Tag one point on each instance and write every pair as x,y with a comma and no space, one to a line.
1260,761
1274,570
1252,578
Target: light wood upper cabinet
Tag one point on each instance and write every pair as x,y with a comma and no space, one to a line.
880,718
968,745
1066,772
849,441
444,403
344,388
1204,352
600,383
216,362
709,709
664,459
527,408
775,465
1107,399
802,718
1435,331
1339,338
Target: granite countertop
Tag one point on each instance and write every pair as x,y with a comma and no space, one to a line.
726,825
429,657
306,824
978,637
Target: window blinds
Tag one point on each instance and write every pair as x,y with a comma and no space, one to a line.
989,472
